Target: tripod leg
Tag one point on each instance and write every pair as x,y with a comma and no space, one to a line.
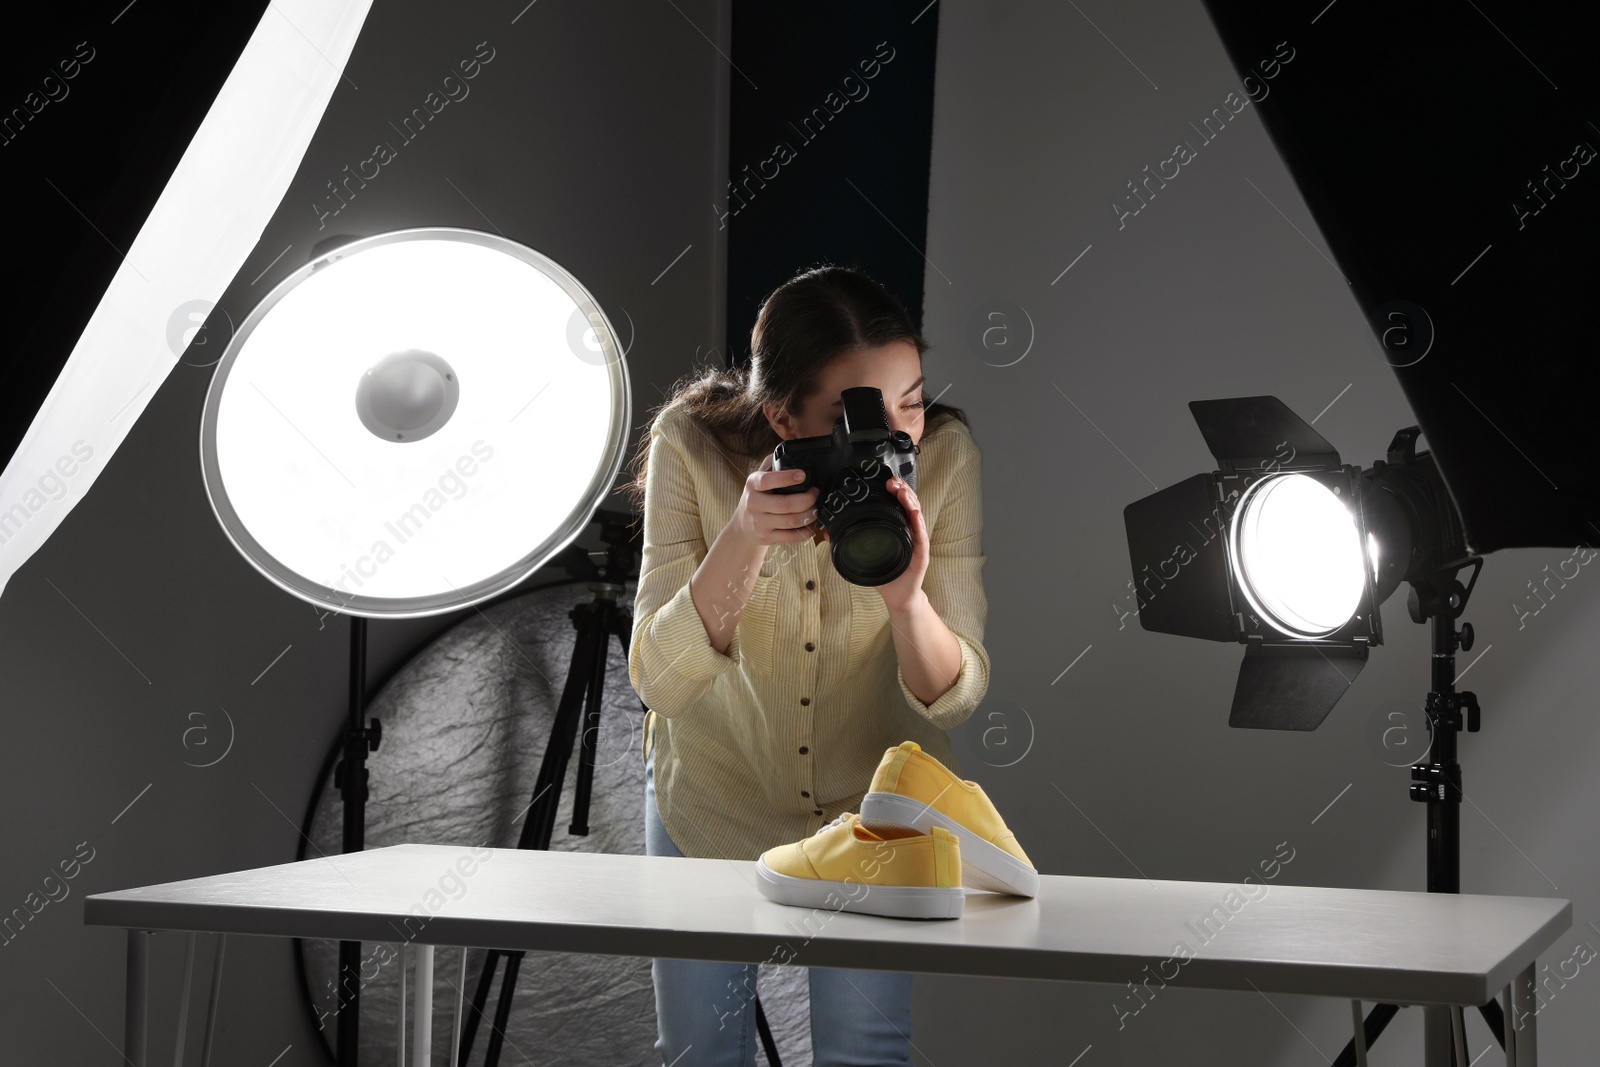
531,837
539,822
1377,1019
502,1010
767,1044
589,734
541,818
480,997
1495,1020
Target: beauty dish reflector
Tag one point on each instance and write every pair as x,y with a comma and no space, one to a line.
414,422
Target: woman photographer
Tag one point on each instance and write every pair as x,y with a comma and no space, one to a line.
774,686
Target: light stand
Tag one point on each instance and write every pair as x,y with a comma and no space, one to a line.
350,778
1438,600
385,389
1211,586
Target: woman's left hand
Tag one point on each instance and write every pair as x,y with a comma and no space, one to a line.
900,594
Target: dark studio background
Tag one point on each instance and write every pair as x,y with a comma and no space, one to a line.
853,181
978,173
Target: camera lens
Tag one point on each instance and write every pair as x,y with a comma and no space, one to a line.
872,551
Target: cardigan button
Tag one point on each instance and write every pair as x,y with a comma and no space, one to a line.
816,811
810,647
804,750
810,584
805,702
804,793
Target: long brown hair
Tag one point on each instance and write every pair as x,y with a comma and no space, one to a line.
803,324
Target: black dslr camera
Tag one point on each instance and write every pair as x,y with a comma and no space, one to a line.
869,530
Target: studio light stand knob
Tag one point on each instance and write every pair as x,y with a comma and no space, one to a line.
1437,782
358,743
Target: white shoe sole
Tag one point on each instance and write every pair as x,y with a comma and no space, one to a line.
893,901
983,865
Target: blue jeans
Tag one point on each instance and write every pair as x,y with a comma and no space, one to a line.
861,1018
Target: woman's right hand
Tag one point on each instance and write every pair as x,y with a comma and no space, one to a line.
765,518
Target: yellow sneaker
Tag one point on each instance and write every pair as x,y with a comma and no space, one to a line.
911,789
901,873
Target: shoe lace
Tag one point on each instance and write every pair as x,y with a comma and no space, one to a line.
838,821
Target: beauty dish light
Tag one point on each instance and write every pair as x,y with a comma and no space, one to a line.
414,422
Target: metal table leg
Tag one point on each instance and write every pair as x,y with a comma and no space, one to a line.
400,1012
422,1009
1360,1038
461,987
1438,1037
135,1021
183,1005
211,1005
1522,1008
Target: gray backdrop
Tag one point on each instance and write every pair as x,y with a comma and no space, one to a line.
1106,748
1220,286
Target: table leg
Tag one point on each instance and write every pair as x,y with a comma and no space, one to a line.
461,988
1511,1031
422,1033
1438,1038
1360,1033
183,1005
400,1012
1522,1047
1458,1037
216,996
135,1031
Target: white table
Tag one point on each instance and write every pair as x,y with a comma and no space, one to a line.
1373,945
